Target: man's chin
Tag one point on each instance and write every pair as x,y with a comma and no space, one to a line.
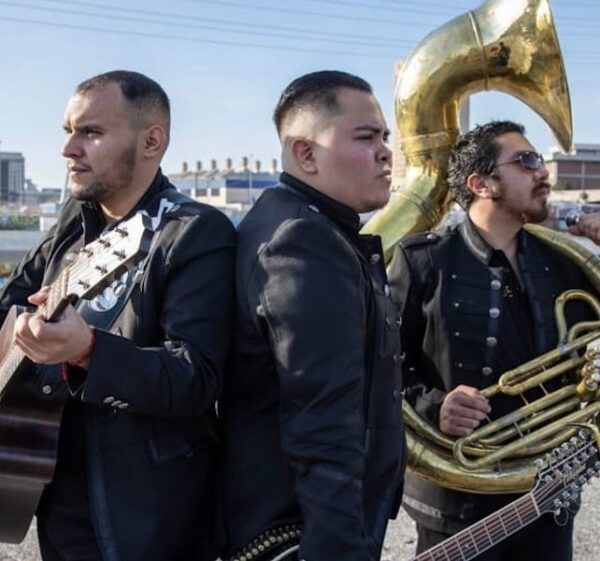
536,217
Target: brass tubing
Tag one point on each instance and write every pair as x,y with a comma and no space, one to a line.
541,378
539,418
521,413
582,415
509,383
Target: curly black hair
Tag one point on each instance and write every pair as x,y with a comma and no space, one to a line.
475,152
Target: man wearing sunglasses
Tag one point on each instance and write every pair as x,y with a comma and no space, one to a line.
477,301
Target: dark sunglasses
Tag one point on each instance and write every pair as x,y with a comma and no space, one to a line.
528,160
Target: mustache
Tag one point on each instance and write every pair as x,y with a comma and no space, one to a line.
541,185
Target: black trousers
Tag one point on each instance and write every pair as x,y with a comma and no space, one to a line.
65,533
542,540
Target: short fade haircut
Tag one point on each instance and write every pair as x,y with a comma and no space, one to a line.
143,95
316,91
476,152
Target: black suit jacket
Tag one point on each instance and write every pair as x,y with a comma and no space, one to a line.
451,301
312,426
150,459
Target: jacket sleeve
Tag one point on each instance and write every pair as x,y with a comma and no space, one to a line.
180,374
312,295
407,287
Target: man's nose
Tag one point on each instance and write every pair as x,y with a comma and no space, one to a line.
71,147
385,154
543,172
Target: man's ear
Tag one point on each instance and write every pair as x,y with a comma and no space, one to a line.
303,152
155,141
480,185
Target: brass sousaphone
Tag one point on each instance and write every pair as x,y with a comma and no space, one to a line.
509,46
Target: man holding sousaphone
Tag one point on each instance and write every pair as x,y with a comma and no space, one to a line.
478,301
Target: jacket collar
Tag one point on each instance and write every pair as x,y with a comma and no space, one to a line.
93,219
343,216
479,247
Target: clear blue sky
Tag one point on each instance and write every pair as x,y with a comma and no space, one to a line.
224,63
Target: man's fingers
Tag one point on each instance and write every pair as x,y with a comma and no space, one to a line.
461,412
468,397
458,426
40,296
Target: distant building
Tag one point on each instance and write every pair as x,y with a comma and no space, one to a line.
227,188
12,177
577,171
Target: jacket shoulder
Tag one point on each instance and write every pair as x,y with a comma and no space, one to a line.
422,239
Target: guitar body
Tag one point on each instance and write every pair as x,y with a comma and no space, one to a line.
30,417
29,429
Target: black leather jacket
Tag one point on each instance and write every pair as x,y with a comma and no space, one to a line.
150,458
312,426
451,301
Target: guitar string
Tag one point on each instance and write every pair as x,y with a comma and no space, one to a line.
15,355
527,509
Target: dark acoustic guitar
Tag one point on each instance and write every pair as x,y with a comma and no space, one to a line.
561,475
29,419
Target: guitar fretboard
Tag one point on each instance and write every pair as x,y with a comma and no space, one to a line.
488,532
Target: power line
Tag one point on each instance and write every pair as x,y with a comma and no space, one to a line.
277,47
243,24
403,8
248,6
179,25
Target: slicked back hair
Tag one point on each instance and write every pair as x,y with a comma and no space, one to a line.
144,96
476,152
316,91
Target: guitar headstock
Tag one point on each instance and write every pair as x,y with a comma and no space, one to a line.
101,261
566,469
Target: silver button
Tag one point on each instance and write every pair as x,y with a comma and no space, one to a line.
386,289
496,284
459,365
491,341
47,390
456,304
486,370
260,311
314,208
137,275
119,289
108,400
431,236
457,333
375,258
494,313
453,276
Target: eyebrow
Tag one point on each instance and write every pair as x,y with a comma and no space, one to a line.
372,128
82,127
